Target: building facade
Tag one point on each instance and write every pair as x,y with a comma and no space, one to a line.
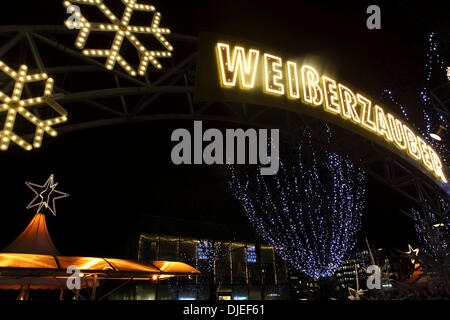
229,271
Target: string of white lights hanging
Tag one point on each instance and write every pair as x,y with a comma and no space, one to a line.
123,30
434,60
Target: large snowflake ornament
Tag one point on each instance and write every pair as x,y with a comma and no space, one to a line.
122,29
14,105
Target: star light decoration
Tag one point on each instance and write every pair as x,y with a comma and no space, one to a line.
14,105
45,194
122,30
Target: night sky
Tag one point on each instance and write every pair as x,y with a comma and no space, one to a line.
115,174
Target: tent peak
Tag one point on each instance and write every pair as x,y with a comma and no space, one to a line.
34,239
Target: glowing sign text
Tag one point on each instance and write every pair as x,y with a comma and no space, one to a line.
303,83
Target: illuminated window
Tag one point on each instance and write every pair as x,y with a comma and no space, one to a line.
251,255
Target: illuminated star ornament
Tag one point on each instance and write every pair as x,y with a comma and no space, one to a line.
411,251
45,195
14,105
122,30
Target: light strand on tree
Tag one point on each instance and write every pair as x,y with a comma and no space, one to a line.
433,59
388,94
17,104
432,229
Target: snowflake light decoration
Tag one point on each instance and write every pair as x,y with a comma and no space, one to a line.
122,30
16,105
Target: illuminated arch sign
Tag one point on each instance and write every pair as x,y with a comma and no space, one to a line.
230,71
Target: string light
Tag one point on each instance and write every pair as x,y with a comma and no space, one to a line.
312,208
334,97
122,30
433,60
432,230
404,113
14,105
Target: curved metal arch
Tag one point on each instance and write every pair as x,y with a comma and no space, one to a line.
127,91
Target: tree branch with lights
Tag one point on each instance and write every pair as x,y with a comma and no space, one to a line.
312,208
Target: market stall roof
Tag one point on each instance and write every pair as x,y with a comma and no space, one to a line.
32,269
32,260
